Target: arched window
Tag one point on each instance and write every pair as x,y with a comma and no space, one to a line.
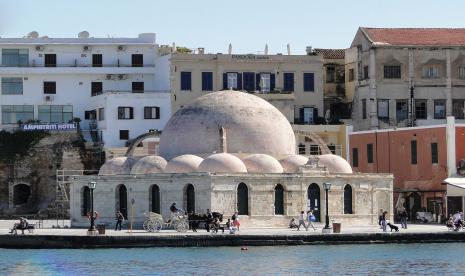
85,200
155,199
242,199
348,199
313,195
279,200
21,194
190,198
122,200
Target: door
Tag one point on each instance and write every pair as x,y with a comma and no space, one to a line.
308,115
190,198
454,204
50,60
314,200
413,202
123,201
242,199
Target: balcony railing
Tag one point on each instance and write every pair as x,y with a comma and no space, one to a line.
270,92
130,92
76,64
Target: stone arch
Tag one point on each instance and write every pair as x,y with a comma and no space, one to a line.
85,201
242,199
122,200
21,194
133,144
348,199
155,199
279,199
315,138
314,200
189,198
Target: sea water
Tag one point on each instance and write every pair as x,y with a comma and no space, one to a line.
387,259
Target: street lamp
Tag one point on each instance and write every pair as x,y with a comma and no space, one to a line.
92,185
327,187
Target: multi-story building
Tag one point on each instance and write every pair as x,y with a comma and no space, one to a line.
292,83
110,84
405,77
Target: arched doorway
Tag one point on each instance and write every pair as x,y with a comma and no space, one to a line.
242,199
279,200
122,200
314,200
85,200
190,198
155,199
348,199
413,202
21,194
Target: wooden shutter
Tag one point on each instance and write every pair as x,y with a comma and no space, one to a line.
315,115
239,81
257,81
225,81
272,81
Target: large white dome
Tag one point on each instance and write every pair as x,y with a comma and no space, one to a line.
262,163
292,163
222,162
334,163
183,164
252,126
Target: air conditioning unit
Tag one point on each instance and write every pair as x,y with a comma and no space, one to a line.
122,77
109,77
48,98
39,48
121,48
86,48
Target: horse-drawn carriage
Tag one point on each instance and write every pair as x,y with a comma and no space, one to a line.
155,222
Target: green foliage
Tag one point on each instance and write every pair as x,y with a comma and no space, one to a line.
15,145
183,50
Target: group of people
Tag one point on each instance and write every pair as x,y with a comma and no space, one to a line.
455,222
305,219
383,222
22,225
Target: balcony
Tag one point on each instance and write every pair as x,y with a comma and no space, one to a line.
274,95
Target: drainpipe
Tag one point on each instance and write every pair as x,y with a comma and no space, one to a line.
450,146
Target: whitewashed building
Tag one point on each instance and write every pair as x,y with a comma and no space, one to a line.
110,84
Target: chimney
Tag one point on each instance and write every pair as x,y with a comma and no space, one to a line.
201,50
223,142
266,49
309,50
288,49
173,48
230,49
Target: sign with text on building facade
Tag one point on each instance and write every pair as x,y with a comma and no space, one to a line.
253,57
50,127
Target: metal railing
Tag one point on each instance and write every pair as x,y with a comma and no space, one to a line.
75,64
130,92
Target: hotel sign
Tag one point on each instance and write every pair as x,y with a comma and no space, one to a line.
50,127
250,57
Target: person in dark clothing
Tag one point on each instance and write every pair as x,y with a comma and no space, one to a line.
403,218
173,208
119,220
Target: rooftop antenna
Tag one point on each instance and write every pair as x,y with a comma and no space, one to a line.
266,49
173,49
288,49
230,49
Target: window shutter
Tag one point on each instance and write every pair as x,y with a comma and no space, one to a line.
239,81
315,115
131,113
301,115
157,111
225,81
272,81
257,82
204,82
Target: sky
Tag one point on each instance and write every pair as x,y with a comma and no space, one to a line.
247,24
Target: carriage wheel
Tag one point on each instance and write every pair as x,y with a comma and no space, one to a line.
157,226
181,226
146,225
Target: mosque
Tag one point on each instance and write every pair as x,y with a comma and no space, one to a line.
231,151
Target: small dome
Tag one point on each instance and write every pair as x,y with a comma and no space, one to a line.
117,165
334,163
149,164
292,163
222,162
183,164
262,163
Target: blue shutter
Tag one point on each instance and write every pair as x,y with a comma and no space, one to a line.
257,82
239,81
272,81
204,82
315,115
309,82
289,82
225,81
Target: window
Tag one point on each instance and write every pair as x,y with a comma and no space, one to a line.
307,115
364,109
96,88
348,199
462,72
354,157
15,57
392,72
288,82
137,60
151,112
315,150
90,115
302,149
55,113
401,110
232,80
50,87
351,74
12,114
207,81
439,109
125,113
242,199
101,114
434,153
137,87
430,72
330,73
124,134
265,82
97,60
365,73
279,200
249,81
186,81
12,86
309,82
458,109
50,60
420,109
413,151
383,110
369,153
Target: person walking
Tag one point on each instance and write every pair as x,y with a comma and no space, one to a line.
302,221
311,218
383,221
403,218
119,220
235,220
380,218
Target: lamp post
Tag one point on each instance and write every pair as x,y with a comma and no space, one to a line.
327,187
92,185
